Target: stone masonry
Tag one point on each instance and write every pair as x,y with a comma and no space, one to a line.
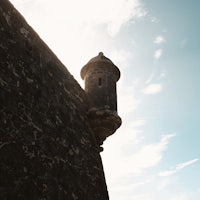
48,150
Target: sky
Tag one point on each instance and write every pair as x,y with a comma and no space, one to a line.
155,43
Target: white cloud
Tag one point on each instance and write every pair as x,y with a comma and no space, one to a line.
127,100
121,169
155,20
137,123
150,78
152,89
140,197
146,156
130,133
179,197
151,154
76,31
162,75
165,182
113,13
158,53
131,186
178,168
155,75
159,40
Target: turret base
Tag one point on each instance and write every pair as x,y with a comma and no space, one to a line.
104,123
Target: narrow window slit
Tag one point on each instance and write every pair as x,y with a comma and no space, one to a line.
100,82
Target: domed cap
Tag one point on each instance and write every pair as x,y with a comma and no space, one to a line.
100,59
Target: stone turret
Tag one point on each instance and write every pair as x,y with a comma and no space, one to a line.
100,76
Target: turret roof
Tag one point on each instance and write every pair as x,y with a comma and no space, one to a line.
98,61
100,58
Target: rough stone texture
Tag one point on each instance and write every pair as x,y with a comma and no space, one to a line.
47,148
100,76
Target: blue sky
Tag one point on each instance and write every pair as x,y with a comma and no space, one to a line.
156,45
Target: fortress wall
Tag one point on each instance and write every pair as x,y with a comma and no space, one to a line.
47,148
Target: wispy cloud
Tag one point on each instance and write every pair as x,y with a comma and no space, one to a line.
151,155
121,168
159,40
127,99
90,11
163,183
137,123
179,197
158,53
76,26
162,75
178,168
155,20
150,78
152,89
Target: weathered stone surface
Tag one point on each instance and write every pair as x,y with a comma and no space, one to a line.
47,148
100,76
104,123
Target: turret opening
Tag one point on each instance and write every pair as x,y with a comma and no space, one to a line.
99,82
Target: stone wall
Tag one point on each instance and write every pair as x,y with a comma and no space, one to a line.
47,148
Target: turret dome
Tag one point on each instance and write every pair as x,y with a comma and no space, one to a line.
100,61
100,58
